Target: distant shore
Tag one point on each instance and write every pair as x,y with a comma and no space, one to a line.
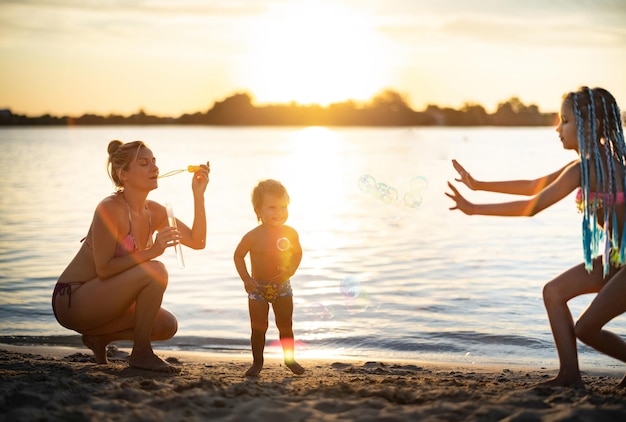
388,109
57,383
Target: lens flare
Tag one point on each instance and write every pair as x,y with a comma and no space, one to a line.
283,244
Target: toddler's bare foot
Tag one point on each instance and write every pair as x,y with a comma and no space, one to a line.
295,367
254,370
98,346
151,362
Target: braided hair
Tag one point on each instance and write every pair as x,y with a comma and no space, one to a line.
603,151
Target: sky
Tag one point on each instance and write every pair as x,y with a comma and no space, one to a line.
170,57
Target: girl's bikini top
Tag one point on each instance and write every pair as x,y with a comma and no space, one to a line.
599,199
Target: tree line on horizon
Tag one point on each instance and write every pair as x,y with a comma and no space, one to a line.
387,109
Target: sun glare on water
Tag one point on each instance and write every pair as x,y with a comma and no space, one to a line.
315,52
314,168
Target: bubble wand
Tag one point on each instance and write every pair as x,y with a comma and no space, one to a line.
177,247
190,169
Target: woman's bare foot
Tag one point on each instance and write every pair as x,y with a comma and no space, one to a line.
295,367
98,346
254,370
151,362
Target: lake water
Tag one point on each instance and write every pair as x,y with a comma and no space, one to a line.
377,281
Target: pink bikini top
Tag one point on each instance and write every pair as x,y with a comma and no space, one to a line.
128,245
598,199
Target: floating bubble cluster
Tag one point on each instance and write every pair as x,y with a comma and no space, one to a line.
389,194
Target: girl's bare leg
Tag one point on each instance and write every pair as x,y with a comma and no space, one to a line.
556,294
608,304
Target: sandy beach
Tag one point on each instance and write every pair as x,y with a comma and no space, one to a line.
53,383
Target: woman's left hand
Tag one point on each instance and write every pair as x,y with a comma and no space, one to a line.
201,179
166,237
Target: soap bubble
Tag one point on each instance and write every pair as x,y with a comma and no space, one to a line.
388,194
418,183
384,192
319,311
413,199
367,183
350,287
283,244
356,298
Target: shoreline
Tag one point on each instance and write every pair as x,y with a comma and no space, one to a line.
57,383
202,356
63,346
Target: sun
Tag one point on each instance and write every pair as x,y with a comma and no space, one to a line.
314,52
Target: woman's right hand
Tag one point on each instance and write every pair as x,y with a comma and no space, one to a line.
465,178
166,237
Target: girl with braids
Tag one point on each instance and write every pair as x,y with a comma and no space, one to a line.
590,124
113,288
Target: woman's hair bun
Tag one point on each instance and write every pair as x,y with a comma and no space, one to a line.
113,146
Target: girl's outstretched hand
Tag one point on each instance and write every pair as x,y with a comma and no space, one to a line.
465,178
460,203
